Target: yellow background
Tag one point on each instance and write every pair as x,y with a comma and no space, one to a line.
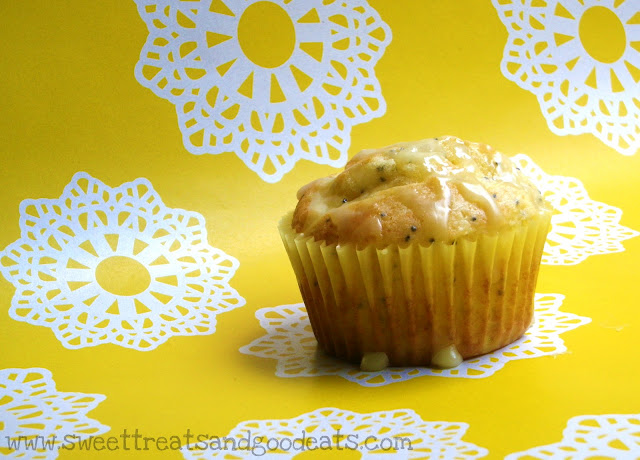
70,103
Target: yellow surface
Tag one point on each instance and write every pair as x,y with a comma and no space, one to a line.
70,103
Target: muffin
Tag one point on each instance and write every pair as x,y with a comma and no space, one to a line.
420,253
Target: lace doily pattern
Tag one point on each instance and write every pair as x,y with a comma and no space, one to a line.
60,267
374,435
32,410
592,436
580,226
271,117
577,92
290,341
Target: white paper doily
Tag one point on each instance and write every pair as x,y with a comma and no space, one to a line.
580,226
366,431
64,241
577,93
290,340
590,437
31,407
303,108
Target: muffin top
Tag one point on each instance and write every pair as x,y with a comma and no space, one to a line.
430,190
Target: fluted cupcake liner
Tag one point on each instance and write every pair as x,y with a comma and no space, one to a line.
413,300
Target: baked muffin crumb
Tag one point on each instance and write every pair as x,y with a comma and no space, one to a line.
435,189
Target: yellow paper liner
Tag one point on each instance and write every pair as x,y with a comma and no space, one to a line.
411,301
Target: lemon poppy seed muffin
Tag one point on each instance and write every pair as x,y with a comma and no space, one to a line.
426,251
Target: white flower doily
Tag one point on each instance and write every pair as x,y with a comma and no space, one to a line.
590,437
31,408
359,432
577,93
290,340
63,242
580,226
303,108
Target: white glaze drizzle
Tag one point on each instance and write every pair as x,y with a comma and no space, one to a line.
445,161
